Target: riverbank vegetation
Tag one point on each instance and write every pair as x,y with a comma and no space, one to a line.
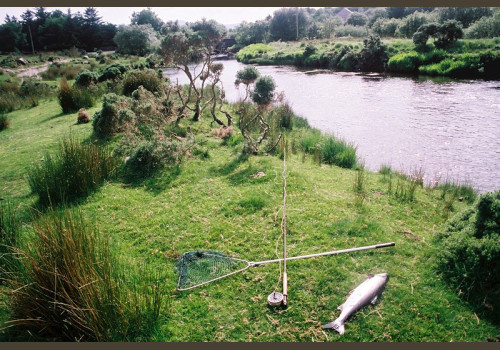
94,214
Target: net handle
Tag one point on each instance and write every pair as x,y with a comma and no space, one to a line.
375,246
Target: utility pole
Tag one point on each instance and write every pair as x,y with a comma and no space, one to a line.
31,37
297,22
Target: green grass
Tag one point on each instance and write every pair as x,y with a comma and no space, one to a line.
213,203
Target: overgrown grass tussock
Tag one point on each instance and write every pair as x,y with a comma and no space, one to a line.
75,171
4,122
68,286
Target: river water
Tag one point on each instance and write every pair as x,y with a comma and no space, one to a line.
448,128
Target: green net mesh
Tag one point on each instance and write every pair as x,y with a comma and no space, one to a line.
199,267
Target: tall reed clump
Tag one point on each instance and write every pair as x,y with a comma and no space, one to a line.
9,228
359,187
4,122
72,98
338,152
69,286
75,171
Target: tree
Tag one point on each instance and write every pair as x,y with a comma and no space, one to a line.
444,34
289,24
12,37
252,124
410,24
147,17
357,19
136,39
465,15
180,48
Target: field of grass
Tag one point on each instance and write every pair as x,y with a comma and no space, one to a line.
212,202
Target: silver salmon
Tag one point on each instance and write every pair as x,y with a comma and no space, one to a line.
364,294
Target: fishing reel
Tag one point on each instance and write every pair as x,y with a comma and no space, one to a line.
276,299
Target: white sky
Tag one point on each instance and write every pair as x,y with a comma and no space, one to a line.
122,15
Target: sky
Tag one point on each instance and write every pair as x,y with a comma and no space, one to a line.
122,15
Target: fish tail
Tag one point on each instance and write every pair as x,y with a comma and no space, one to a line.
337,325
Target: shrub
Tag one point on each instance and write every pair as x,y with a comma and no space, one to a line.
264,90
147,78
486,27
74,172
85,78
149,156
69,286
73,98
106,122
469,250
490,62
4,122
113,71
33,90
58,70
373,57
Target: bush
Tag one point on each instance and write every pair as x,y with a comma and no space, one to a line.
486,27
150,156
106,122
85,78
113,71
74,172
58,70
469,250
73,98
33,90
147,78
4,122
264,90
409,62
373,57
490,62
69,286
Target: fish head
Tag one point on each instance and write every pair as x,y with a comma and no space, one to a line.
383,276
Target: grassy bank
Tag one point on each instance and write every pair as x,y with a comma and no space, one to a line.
473,58
212,201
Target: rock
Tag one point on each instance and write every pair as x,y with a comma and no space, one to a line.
85,57
22,61
259,174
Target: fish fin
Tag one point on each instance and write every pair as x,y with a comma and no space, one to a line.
374,300
337,325
341,307
371,275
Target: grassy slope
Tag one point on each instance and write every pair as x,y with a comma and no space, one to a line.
214,204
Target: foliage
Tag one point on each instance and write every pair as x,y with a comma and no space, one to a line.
385,27
338,152
444,34
113,71
469,250
490,62
11,37
289,24
9,236
4,122
147,17
85,78
373,57
264,90
146,78
411,23
410,62
465,15
136,39
350,31
465,65
357,19
106,122
74,172
69,286
57,70
485,27
72,98
251,51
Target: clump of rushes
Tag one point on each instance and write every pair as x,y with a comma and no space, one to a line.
75,171
68,286
9,229
4,122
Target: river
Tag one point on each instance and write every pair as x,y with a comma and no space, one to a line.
448,128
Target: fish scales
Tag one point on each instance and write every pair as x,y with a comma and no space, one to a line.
364,294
